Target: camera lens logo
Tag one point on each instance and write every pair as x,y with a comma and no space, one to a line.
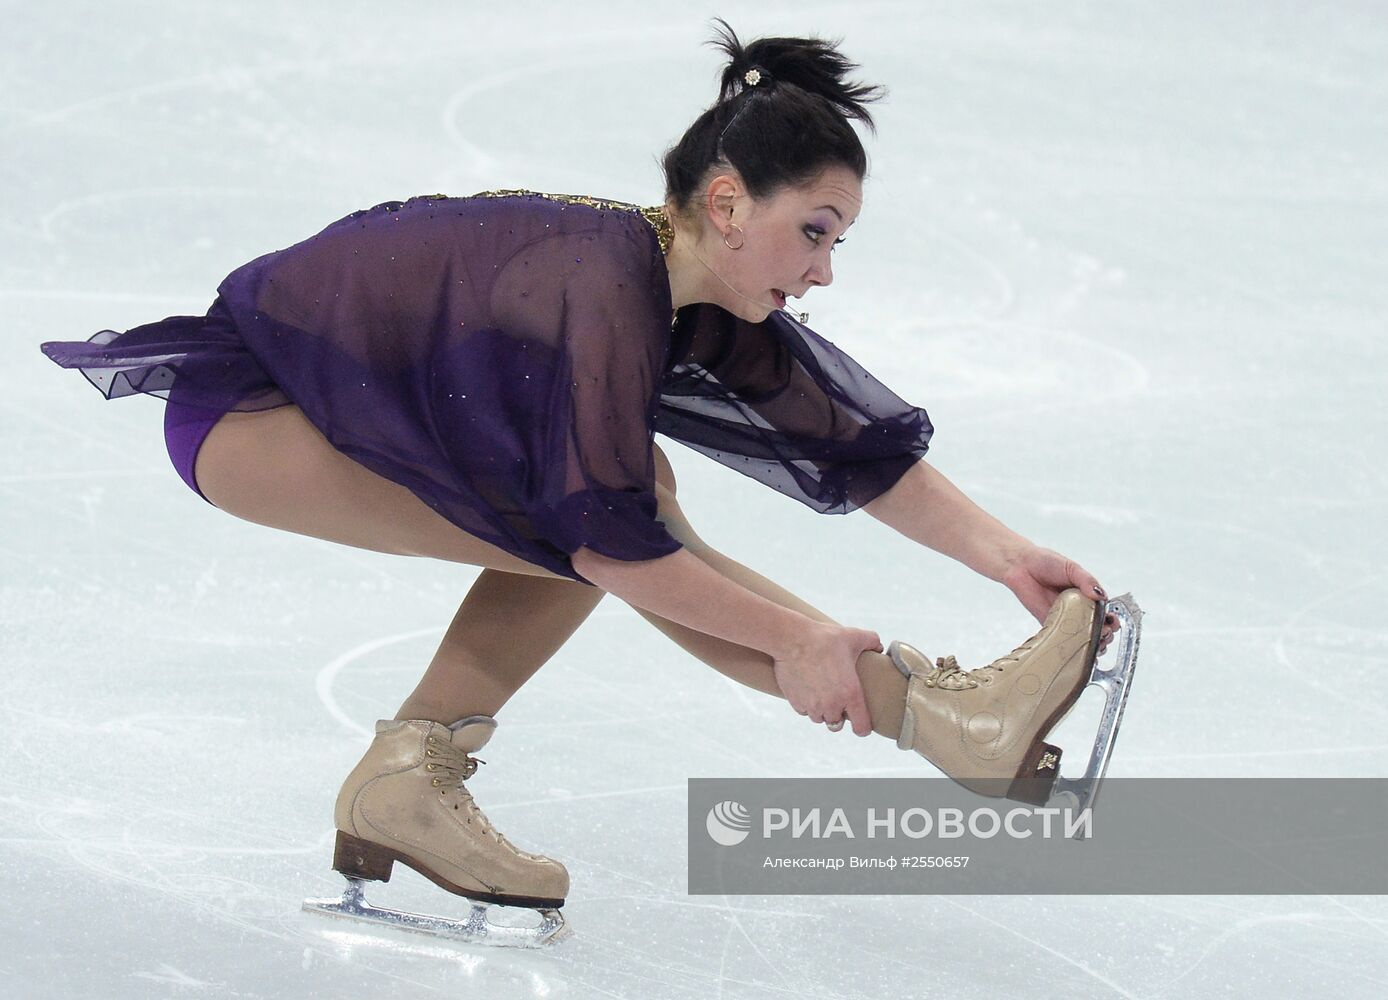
728,823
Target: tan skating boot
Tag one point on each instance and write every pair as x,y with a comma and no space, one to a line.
985,728
406,802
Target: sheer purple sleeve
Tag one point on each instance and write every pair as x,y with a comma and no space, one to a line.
779,403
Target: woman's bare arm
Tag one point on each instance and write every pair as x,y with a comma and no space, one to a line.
926,507
688,591
815,662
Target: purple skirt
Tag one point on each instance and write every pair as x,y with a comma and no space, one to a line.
199,365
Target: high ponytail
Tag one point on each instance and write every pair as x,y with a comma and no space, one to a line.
782,116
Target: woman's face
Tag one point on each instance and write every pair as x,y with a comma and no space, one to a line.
789,238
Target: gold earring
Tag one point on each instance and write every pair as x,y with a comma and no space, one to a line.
734,225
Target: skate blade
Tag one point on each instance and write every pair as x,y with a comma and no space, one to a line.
475,929
1079,794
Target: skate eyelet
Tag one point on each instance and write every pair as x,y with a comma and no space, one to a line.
436,782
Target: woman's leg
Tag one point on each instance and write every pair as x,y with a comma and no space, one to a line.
275,468
507,627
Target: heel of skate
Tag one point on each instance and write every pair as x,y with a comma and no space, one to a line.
360,859
1036,777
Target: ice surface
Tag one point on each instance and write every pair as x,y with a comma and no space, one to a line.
1130,257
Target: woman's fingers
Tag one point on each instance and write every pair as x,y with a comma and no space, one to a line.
858,716
1084,581
821,682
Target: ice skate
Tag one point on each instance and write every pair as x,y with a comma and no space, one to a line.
986,728
406,802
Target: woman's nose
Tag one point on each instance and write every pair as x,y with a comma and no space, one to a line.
821,273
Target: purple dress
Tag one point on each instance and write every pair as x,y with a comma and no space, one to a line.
508,358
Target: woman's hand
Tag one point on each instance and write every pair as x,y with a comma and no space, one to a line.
1038,576
819,676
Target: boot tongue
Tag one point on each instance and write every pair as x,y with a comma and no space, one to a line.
472,733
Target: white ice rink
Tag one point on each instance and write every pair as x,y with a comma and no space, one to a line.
1132,258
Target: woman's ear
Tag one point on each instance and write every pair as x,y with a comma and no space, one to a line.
720,197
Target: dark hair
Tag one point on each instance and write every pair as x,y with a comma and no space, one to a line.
781,132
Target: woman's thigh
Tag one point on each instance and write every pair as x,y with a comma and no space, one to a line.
273,467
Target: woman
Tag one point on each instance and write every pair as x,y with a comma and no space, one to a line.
480,379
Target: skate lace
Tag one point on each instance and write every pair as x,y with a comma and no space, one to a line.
948,676
451,766
1013,657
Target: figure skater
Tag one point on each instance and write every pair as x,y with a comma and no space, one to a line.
480,380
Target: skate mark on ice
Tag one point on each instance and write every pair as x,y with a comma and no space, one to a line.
694,735
56,822
174,977
1183,263
613,793
120,426
689,904
1312,558
1299,920
1242,754
1331,690
387,942
1108,516
989,361
1007,290
483,162
1093,973
197,890
326,679
1332,596
38,477
744,695
160,724
158,194
233,78
1310,678
90,498
735,924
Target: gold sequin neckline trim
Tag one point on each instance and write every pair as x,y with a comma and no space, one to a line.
655,215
